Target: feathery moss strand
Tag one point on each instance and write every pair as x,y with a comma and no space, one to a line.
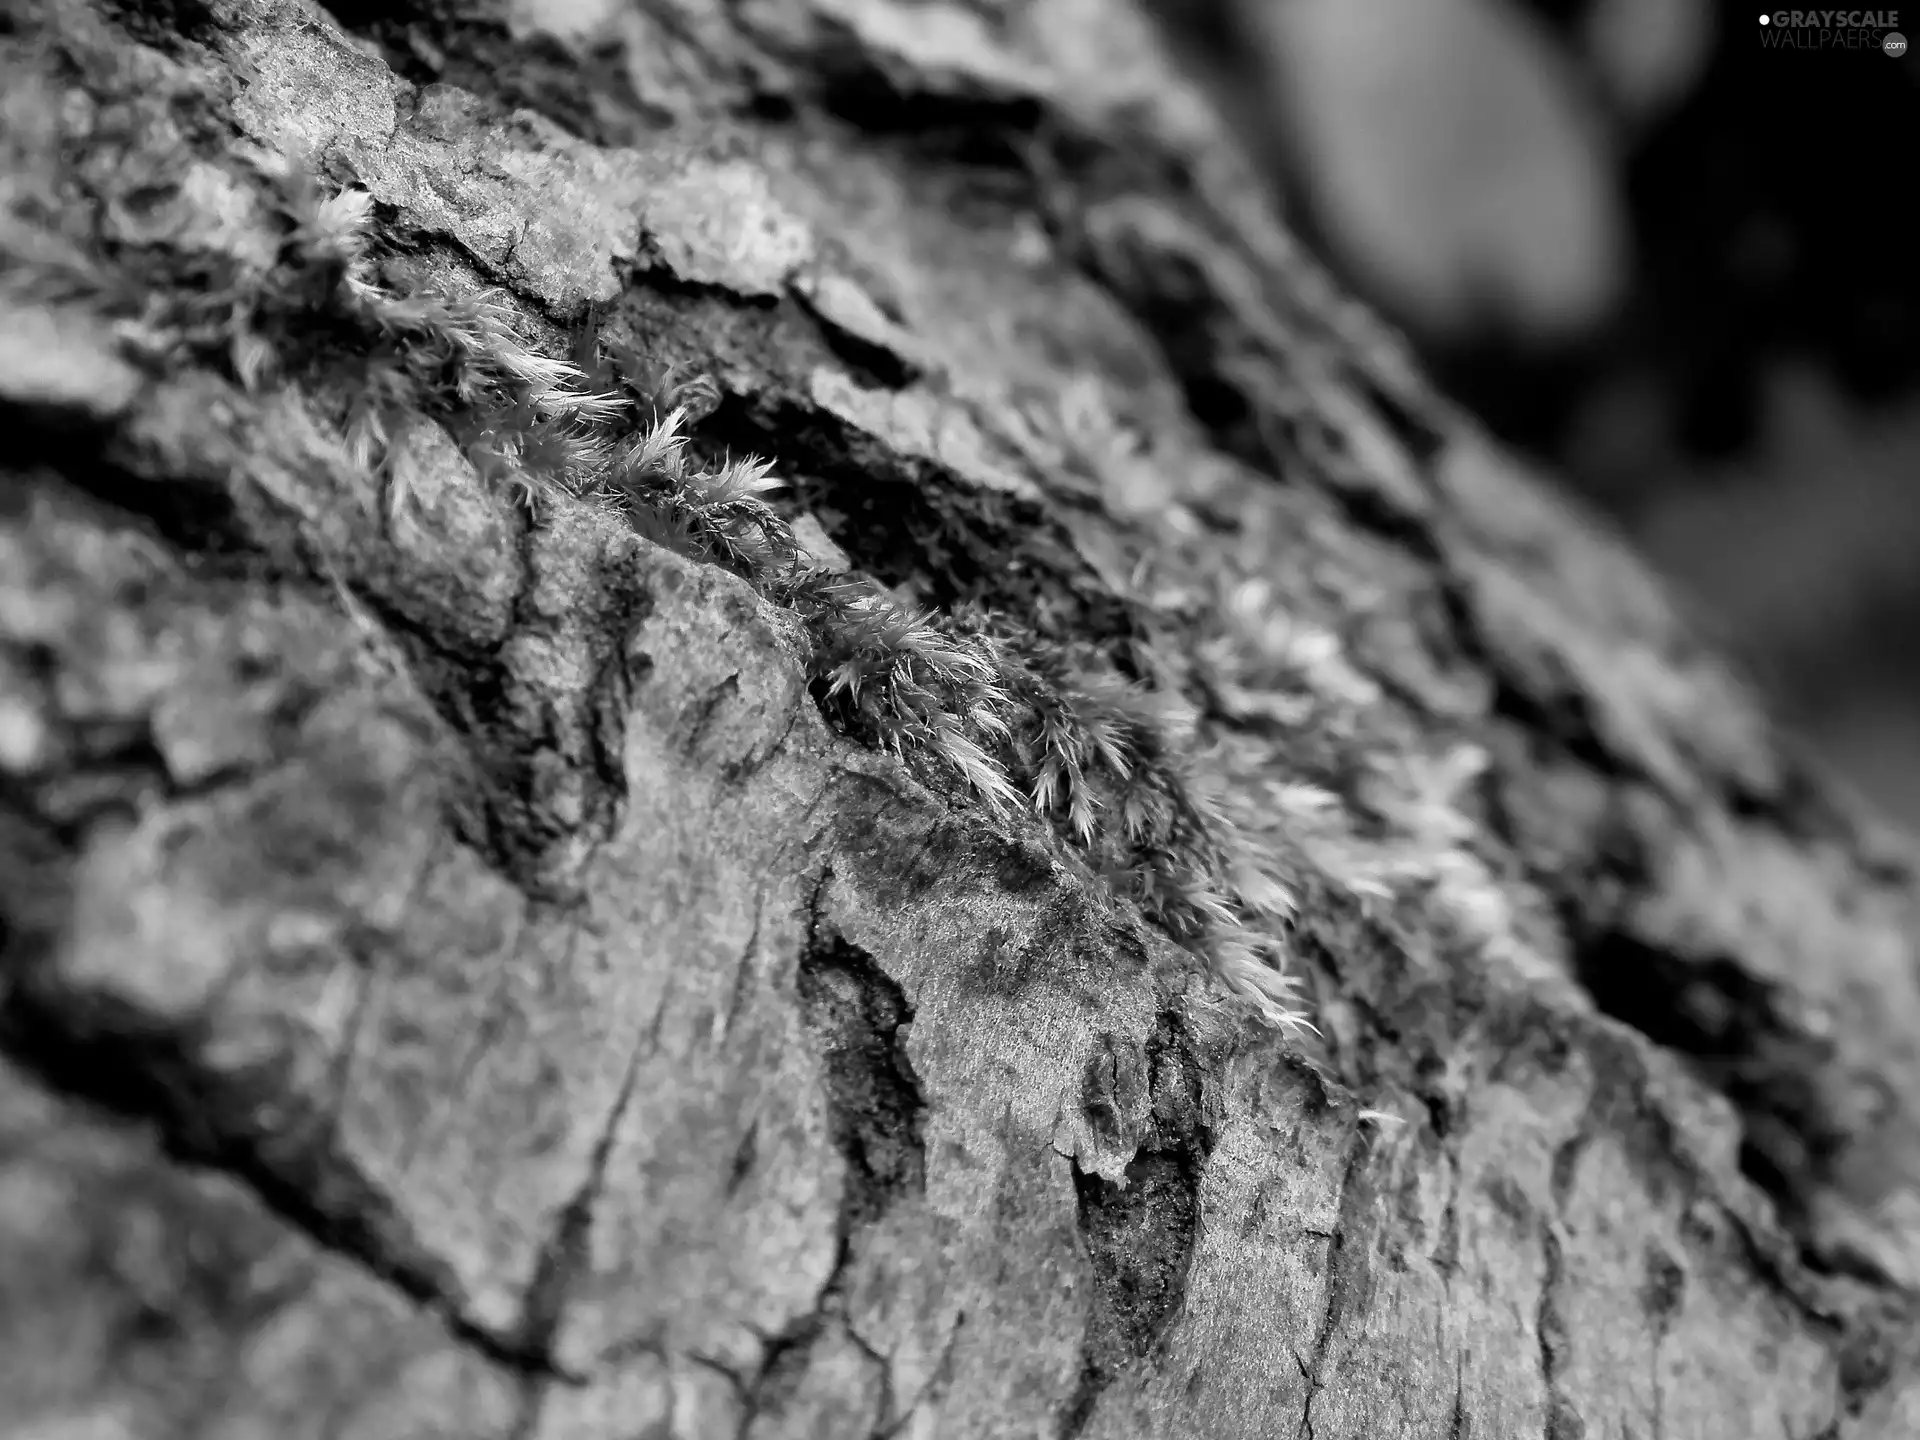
1021,723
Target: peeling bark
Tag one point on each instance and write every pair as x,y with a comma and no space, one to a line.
457,982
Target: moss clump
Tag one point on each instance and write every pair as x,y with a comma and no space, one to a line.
1022,723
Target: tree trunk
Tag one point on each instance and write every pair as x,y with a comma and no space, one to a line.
469,972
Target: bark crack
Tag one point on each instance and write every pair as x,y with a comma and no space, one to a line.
562,1257
1347,1269
252,1124
1563,1421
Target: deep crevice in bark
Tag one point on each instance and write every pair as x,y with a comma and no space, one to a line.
907,523
855,1014
254,1125
961,129
1715,1012
1139,1236
195,512
587,94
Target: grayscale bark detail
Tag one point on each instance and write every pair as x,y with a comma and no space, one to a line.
457,984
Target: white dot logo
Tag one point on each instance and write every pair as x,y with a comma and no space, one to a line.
1766,19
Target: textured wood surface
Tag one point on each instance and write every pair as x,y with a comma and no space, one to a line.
457,983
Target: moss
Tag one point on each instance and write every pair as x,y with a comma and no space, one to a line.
1025,724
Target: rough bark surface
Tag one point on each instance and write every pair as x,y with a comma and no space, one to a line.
457,983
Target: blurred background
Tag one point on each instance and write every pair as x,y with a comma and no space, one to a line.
1667,253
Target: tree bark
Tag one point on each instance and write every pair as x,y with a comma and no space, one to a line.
457,982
